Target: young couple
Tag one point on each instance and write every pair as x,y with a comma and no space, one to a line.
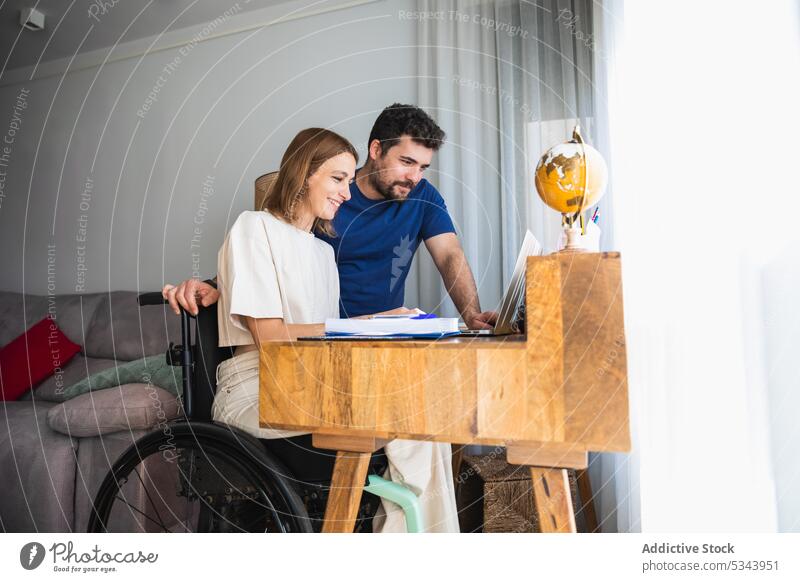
278,276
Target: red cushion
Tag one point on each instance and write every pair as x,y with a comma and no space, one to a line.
35,355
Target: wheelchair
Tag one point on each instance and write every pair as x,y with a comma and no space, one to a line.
197,475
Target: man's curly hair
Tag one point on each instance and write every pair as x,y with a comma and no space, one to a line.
398,120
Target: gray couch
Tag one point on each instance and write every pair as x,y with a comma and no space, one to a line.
55,453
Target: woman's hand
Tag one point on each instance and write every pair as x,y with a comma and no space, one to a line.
187,293
398,311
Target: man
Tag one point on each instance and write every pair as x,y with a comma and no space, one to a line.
392,209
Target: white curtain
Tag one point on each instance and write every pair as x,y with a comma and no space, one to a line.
451,56
615,477
506,80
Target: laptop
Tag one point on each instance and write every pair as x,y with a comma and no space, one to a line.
509,307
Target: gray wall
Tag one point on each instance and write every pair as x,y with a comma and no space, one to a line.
100,194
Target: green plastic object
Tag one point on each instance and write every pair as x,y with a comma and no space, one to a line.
403,497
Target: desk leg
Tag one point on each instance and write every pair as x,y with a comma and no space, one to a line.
553,500
587,500
457,458
349,474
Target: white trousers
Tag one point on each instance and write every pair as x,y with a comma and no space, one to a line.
422,466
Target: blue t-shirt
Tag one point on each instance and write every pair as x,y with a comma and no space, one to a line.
375,242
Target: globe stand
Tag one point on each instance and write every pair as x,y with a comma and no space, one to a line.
574,241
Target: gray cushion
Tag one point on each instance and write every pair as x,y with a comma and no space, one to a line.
127,407
80,367
123,330
75,313
37,471
17,315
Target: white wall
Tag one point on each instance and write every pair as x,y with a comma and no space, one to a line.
226,111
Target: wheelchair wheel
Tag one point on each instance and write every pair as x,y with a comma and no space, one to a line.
198,477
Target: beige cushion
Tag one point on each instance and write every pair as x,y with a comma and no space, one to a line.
126,407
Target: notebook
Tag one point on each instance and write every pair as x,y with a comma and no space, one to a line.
410,326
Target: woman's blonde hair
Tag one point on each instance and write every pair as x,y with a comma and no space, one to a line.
309,149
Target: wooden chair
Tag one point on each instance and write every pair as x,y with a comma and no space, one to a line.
263,187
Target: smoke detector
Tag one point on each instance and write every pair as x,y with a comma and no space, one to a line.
31,19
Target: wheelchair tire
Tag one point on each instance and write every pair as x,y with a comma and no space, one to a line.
199,477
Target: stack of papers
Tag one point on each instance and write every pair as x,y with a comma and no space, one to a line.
425,326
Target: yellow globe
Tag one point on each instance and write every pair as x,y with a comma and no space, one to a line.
568,171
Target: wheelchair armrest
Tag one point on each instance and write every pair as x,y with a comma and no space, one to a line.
153,298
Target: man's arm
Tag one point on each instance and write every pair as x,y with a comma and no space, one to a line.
457,276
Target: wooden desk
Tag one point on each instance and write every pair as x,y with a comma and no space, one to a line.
549,396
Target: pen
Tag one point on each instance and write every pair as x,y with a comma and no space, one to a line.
595,216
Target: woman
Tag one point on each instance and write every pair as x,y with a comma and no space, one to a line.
279,282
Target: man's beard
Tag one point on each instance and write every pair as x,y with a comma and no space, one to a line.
389,189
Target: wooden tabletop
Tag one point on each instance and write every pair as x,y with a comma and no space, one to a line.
563,383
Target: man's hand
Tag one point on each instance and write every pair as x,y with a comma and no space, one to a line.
188,293
485,320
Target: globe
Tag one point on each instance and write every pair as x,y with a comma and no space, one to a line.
571,176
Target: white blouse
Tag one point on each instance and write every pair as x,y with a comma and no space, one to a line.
272,269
